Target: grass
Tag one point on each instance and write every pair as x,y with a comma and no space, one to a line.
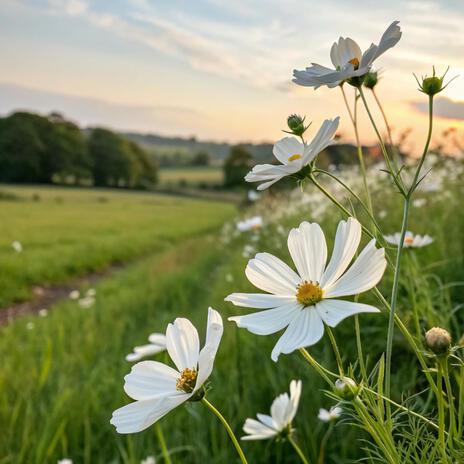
69,232
191,177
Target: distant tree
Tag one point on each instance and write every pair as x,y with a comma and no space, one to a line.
236,166
145,169
201,158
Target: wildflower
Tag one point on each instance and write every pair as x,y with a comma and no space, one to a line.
350,64
302,302
248,251
438,340
148,460
253,196
91,292
346,388
331,415
86,302
158,388
17,246
43,312
431,85
74,295
419,202
283,411
30,325
65,461
410,240
157,345
293,155
254,223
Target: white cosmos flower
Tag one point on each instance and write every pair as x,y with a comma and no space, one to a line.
157,345
303,302
253,223
74,295
293,155
348,60
283,411
158,388
410,240
332,415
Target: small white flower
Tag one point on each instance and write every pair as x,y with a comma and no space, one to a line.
43,312
293,155
254,223
332,415
86,302
348,60
148,460
301,303
65,461
91,292
17,246
158,388
419,202
283,411
74,295
30,325
410,240
157,345
382,214
253,195
248,251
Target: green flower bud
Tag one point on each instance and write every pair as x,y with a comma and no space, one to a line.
433,84
296,124
346,388
438,340
371,79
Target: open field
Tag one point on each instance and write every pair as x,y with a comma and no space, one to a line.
191,177
69,232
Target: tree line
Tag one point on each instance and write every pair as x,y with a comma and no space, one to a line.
50,149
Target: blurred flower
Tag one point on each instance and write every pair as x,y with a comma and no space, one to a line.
157,345
302,302
253,223
74,295
43,312
17,246
283,411
348,61
86,302
410,240
158,388
248,251
65,461
148,460
419,202
382,214
253,195
91,292
293,155
229,277
30,325
332,414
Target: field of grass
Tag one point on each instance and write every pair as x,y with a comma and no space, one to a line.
62,377
67,232
191,177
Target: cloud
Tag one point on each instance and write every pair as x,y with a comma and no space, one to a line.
443,107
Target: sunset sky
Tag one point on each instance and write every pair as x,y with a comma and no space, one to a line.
219,69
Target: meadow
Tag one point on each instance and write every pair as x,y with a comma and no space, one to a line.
61,375
191,176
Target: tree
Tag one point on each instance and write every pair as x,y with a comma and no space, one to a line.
236,166
201,158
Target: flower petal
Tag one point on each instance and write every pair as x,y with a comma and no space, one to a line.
272,275
259,300
157,339
279,410
183,344
334,311
308,250
364,274
150,379
322,139
144,351
346,243
268,322
257,430
286,147
305,329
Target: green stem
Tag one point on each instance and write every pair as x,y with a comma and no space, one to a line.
441,412
338,357
228,428
324,440
357,329
162,442
298,450
449,393
322,371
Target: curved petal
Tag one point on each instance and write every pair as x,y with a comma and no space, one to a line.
364,274
279,410
322,139
183,344
272,275
157,339
268,322
267,420
389,39
139,415
346,243
308,249
305,329
257,430
214,332
295,394
144,351
334,311
259,300
151,379
287,147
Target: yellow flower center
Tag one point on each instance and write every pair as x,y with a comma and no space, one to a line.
309,293
354,62
294,157
187,380
408,240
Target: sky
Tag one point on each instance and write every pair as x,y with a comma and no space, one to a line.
218,69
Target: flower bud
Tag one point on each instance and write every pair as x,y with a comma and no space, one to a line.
346,388
433,84
296,124
371,79
438,340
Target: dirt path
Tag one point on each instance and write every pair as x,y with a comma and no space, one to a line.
46,296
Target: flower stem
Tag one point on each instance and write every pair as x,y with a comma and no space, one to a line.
441,411
162,442
325,438
298,450
449,394
338,357
322,371
228,428
357,329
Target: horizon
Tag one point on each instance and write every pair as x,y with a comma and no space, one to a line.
216,72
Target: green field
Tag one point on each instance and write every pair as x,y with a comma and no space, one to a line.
62,377
67,232
191,177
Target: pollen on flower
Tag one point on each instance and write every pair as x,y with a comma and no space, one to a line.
408,240
187,380
309,293
354,62
294,157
